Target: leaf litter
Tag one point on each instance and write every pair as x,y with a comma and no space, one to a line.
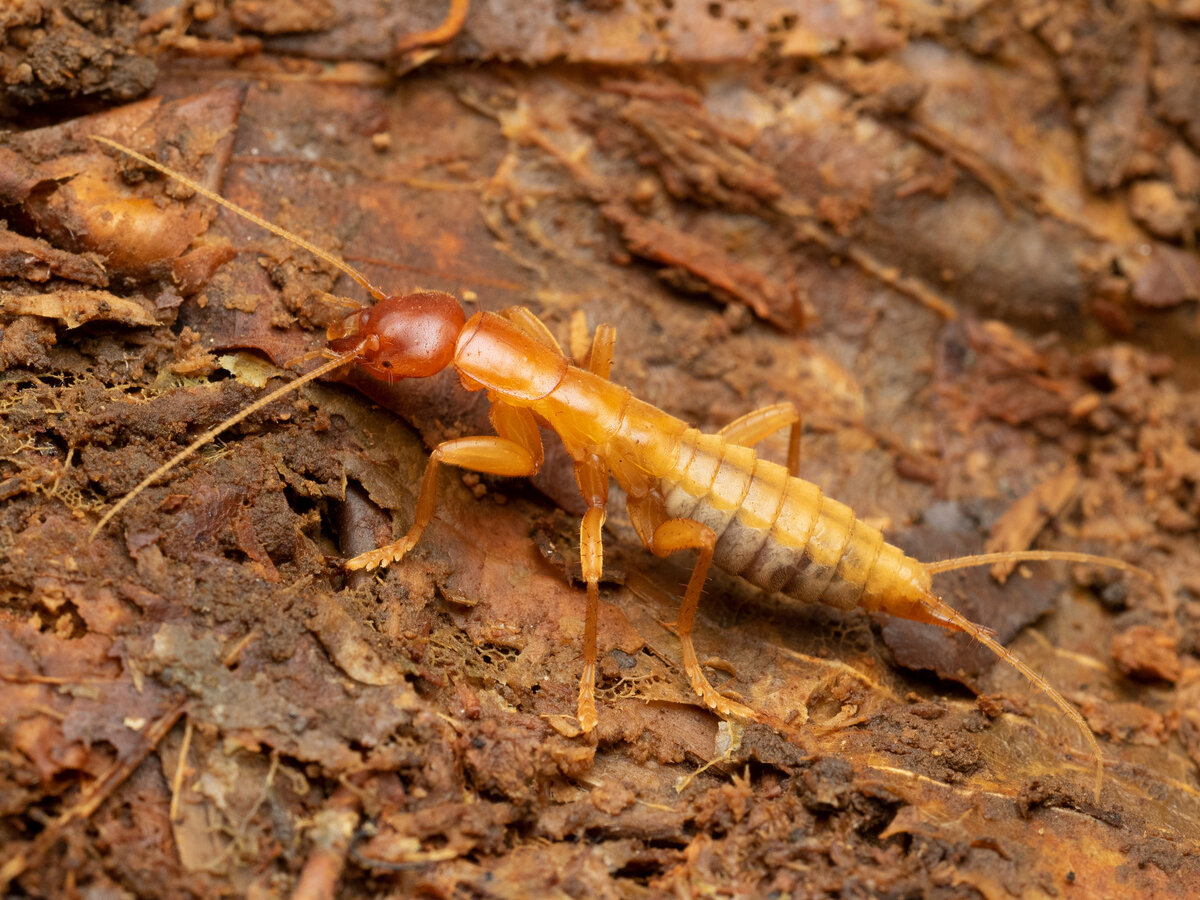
200,701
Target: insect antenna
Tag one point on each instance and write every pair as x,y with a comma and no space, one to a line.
200,189
335,363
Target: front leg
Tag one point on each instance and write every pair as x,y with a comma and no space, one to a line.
516,453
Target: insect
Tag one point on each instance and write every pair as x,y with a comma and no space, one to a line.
686,490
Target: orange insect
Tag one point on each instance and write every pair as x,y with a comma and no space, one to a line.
686,490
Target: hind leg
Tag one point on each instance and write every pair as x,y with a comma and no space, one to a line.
685,534
751,428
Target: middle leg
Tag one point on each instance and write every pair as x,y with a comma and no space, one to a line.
592,477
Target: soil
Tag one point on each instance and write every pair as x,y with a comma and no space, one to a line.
961,243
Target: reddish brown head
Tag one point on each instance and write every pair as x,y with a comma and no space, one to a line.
409,336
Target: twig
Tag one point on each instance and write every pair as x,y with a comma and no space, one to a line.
90,799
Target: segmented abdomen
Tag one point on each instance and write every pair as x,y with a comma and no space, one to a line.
781,533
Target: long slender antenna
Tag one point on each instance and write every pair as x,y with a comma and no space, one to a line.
218,429
200,189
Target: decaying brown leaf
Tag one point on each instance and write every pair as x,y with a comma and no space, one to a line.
806,202
74,308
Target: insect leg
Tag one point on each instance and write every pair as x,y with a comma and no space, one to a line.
599,359
531,326
594,355
686,534
646,512
592,477
751,428
518,425
516,453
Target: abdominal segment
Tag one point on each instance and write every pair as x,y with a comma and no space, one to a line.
779,533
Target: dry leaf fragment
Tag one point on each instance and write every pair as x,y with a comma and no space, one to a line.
1021,522
74,308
